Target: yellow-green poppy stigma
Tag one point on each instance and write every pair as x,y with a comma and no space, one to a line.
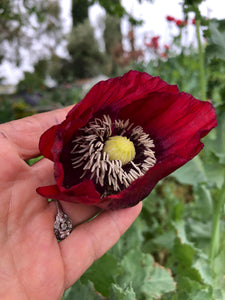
120,148
109,159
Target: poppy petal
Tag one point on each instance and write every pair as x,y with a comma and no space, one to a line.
175,121
81,193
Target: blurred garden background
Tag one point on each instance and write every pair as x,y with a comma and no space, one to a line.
176,248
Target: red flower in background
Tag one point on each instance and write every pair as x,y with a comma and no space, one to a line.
122,138
167,47
181,23
154,43
164,55
170,19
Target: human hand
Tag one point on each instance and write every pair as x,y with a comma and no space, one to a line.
33,265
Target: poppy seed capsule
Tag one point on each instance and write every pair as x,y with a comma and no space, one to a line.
120,148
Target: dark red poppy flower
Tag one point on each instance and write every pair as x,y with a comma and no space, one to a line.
170,19
154,43
122,138
181,23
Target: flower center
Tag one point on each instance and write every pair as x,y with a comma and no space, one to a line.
111,154
119,148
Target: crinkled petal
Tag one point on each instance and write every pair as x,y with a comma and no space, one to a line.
53,140
141,187
118,92
175,122
112,95
176,132
84,192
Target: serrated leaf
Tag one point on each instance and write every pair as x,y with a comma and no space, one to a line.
204,270
136,267
181,233
184,254
119,293
159,282
193,290
132,239
102,273
81,291
148,279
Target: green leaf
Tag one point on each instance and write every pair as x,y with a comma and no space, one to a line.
132,239
193,290
216,41
203,268
159,282
181,233
217,143
102,273
197,171
219,270
149,280
166,240
203,202
185,255
119,293
192,172
81,291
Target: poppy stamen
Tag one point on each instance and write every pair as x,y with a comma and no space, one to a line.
112,171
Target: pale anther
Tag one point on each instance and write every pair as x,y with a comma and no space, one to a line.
87,153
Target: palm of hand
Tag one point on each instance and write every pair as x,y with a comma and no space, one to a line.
32,263
29,253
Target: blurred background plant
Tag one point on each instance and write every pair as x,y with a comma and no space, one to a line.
176,248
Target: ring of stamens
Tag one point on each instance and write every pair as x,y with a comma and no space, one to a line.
111,175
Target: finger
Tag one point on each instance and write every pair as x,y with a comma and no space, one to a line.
91,240
43,172
24,134
79,213
10,162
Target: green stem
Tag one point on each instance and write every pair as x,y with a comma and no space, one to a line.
215,240
201,62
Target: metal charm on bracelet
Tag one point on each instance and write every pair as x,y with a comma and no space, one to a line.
63,225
